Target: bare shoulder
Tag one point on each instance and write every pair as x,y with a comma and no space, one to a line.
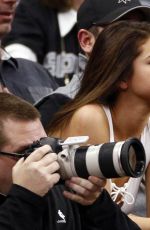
89,112
91,120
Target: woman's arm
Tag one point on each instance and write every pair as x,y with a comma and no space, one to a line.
143,222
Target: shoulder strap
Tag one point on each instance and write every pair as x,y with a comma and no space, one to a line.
109,117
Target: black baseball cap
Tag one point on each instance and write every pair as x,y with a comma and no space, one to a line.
99,12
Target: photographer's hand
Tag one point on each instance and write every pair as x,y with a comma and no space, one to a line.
37,172
86,191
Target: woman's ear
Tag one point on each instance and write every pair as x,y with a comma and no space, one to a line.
86,40
123,85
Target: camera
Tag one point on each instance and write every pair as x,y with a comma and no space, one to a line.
107,160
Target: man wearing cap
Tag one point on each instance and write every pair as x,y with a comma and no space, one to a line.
92,16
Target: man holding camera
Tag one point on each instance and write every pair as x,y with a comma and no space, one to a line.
31,198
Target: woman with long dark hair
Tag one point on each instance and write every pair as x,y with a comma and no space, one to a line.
113,102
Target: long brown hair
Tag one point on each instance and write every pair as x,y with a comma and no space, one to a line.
111,61
60,5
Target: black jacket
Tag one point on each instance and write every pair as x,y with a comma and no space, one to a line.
49,105
23,210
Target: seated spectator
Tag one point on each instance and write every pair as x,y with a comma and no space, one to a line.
87,34
21,77
26,79
45,31
115,104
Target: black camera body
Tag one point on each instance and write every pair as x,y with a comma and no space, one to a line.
108,160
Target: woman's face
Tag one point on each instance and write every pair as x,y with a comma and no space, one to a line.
139,83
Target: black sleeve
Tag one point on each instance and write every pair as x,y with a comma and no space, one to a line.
22,210
105,214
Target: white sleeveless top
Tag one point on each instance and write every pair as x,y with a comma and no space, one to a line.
131,188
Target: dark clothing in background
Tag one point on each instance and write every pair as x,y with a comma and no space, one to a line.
48,106
26,79
36,26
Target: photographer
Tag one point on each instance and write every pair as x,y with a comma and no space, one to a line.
25,207
25,200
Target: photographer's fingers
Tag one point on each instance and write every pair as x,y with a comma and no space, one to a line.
83,186
49,166
34,177
38,154
48,159
53,179
101,183
76,198
86,191
18,164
